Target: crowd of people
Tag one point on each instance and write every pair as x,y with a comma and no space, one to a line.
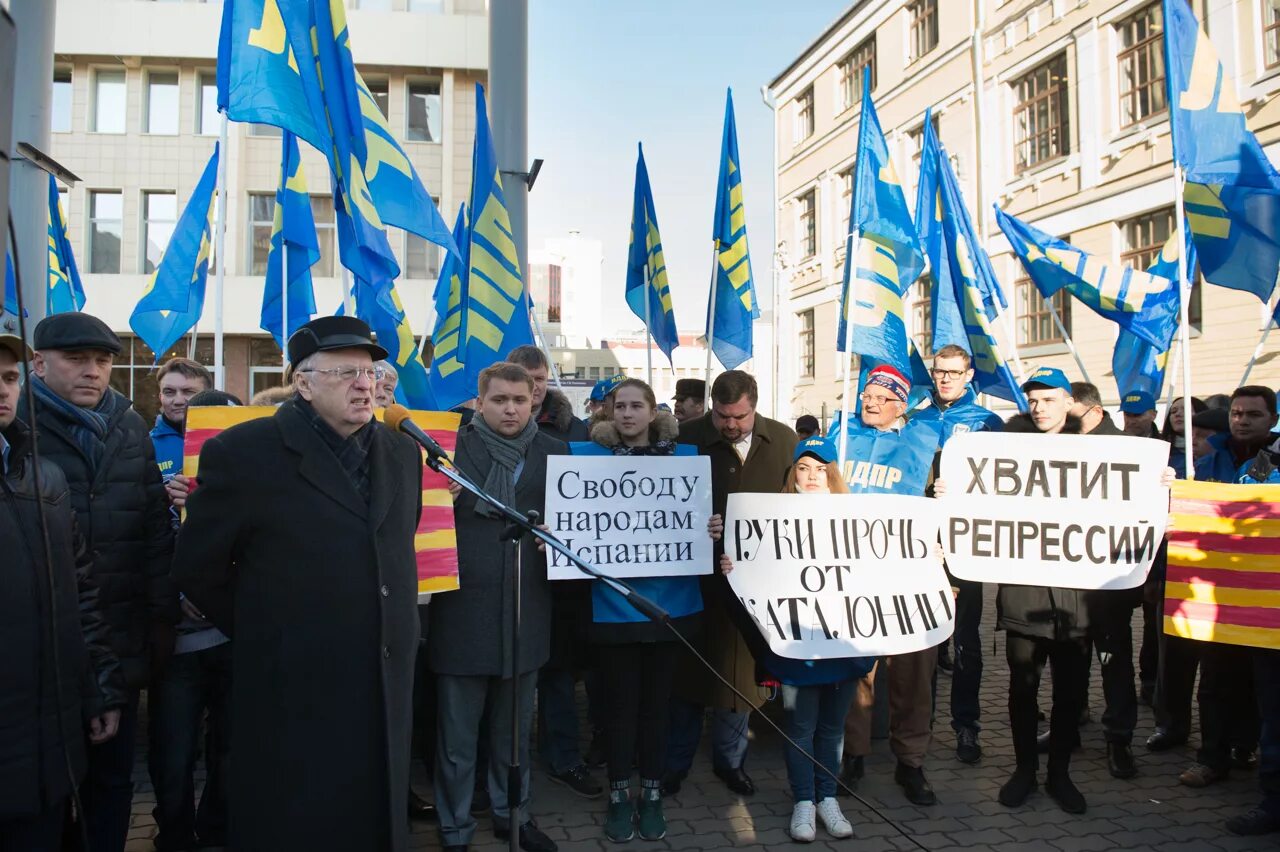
269,610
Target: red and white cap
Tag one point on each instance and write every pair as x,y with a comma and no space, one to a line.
891,380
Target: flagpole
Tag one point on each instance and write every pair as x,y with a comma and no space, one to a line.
711,321
648,329
1173,379
1184,300
284,293
1012,334
1062,329
1262,342
219,379
348,300
845,308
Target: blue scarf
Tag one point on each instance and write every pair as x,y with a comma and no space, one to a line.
87,425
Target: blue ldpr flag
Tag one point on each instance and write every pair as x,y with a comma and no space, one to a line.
976,290
1137,301
10,286
66,293
732,304
293,233
1232,195
1136,364
391,327
174,298
448,377
647,268
495,308
947,322
885,258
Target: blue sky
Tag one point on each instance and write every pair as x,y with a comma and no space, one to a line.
604,75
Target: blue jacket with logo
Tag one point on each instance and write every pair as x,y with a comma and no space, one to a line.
963,415
1220,465
897,460
168,443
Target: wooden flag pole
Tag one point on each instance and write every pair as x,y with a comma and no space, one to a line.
1184,332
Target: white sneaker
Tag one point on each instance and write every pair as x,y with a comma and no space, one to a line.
832,819
803,829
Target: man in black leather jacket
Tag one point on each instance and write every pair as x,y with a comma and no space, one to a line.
47,701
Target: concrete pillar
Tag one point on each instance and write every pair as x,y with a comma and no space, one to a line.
509,110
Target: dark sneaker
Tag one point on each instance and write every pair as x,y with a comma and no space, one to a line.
1244,758
915,785
579,780
1064,792
531,838
967,748
1120,760
1020,785
480,800
851,772
653,825
672,780
1253,823
619,820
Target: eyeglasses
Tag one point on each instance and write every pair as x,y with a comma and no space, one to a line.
876,399
350,374
953,375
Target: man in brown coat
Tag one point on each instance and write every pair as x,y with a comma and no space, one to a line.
749,454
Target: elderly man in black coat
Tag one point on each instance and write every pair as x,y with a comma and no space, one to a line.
299,545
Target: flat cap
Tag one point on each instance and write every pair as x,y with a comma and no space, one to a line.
696,388
325,333
75,330
15,344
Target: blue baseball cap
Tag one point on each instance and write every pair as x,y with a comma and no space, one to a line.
604,387
822,449
1137,402
1048,377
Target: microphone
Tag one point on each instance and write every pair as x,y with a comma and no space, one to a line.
397,417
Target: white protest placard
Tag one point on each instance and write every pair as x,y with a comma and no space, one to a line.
839,575
630,516
1077,511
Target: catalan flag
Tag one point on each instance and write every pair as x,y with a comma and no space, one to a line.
1223,581
732,304
66,293
435,543
647,267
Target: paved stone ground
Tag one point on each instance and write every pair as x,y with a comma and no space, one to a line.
1150,812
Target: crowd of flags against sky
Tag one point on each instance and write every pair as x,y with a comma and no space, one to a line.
482,311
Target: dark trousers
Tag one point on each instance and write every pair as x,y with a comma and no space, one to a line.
966,678
1228,706
193,683
1112,634
1175,679
1027,656
1266,671
107,791
636,678
558,742
1152,627
39,833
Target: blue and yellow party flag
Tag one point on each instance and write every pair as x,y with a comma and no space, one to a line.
1134,300
976,290
66,293
396,336
293,234
448,377
732,305
1137,365
495,310
1232,195
885,258
947,324
174,298
647,268
10,286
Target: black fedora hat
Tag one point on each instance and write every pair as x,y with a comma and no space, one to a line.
325,333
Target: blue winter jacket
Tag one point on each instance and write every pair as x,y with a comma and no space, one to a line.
894,461
1220,465
168,444
963,415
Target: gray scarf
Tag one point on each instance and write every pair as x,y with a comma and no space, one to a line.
505,453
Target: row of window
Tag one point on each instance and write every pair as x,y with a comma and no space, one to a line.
162,105
418,258
1041,112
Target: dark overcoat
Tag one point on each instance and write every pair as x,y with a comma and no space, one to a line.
318,592
470,631
727,627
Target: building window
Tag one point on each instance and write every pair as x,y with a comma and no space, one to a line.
809,224
373,5
262,211
922,316
162,103
265,369
859,63
421,258
133,372
268,130
1271,32
1040,119
381,91
424,111
1035,322
846,205
554,293
208,123
326,229
159,215
804,115
924,27
1141,64
806,344
61,104
429,7
106,228
108,101
1144,237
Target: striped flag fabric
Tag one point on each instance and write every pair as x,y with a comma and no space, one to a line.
1223,581
436,542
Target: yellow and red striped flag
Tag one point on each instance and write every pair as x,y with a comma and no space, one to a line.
1223,582
436,543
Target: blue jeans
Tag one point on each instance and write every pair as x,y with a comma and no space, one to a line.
1266,667
192,683
107,790
815,720
728,736
966,678
558,716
